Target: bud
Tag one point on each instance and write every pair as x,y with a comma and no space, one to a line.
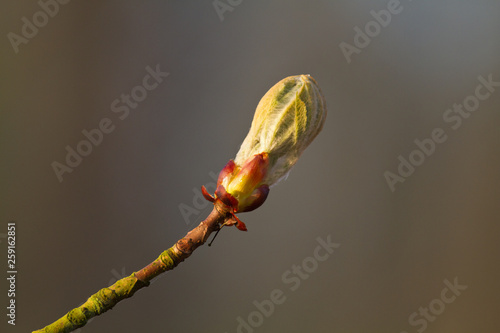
287,119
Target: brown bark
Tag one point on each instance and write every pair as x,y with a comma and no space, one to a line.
107,298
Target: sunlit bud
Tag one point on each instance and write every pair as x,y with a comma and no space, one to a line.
287,119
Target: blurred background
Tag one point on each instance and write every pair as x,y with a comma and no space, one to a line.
137,192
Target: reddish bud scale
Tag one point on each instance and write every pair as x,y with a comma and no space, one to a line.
240,188
227,170
244,182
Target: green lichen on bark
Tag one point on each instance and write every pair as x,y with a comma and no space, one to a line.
102,301
106,298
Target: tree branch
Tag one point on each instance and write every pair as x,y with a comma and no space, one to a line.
287,119
106,298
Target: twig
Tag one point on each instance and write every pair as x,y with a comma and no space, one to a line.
106,298
287,119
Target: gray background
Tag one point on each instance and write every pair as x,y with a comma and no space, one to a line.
120,207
